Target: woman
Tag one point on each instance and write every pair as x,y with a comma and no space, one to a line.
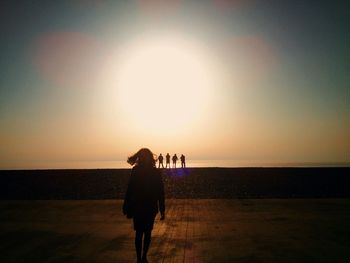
144,198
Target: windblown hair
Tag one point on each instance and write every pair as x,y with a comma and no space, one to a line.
144,157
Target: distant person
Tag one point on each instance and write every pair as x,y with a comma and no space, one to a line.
183,161
143,199
167,160
160,160
174,160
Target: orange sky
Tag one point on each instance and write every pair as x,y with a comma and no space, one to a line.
236,83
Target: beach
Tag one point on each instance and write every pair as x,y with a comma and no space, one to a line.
212,215
195,230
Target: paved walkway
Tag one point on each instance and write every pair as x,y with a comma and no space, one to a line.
202,230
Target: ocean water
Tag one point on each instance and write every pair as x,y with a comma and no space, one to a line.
189,163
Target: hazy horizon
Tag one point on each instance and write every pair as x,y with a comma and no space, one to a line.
122,164
226,80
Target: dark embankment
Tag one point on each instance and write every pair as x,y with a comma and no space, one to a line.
189,183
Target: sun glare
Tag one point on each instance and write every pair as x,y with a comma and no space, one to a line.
162,83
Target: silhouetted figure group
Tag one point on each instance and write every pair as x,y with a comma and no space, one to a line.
174,159
143,199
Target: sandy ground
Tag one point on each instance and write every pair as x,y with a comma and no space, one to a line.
195,230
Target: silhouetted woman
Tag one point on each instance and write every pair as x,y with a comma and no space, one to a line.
144,198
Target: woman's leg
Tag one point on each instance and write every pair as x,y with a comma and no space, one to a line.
138,244
146,243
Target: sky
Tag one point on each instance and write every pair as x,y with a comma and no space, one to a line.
93,81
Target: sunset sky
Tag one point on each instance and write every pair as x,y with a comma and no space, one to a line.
259,81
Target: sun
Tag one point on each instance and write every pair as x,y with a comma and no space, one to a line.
163,83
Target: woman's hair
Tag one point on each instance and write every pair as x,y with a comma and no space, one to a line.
144,157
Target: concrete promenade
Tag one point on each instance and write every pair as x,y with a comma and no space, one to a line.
195,230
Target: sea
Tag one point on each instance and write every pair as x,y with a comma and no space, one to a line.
122,164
